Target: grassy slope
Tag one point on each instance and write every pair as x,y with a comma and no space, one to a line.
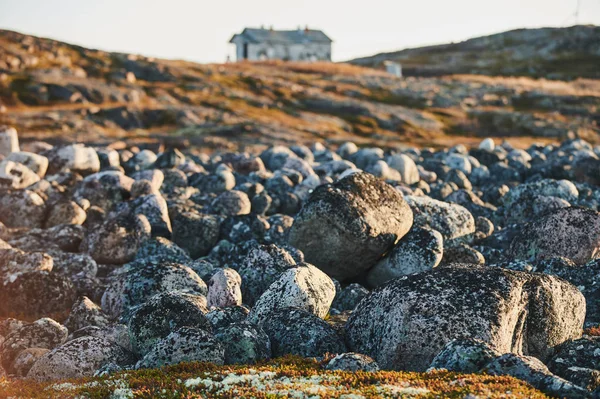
287,376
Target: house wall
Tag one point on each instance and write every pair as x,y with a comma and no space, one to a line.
294,52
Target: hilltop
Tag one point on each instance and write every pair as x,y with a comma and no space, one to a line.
62,93
554,53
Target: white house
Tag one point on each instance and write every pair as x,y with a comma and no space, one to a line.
288,45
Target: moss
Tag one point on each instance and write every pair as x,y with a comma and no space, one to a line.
273,379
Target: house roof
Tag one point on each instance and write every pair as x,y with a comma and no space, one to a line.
254,35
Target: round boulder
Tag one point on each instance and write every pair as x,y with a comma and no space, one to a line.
344,228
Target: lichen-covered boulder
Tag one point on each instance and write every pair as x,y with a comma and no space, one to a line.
14,262
464,356
37,294
224,289
188,344
105,189
244,343
418,251
22,208
352,362
26,359
304,287
42,333
533,371
573,233
454,221
298,332
220,318
66,212
35,162
164,313
136,283
117,240
404,324
260,268
75,157
575,361
344,228
86,313
197,233
78,358
163,249
17,176
231,203
348,297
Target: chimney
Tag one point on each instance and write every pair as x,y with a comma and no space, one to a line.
306,29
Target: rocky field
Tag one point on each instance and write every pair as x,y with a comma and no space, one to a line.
449,270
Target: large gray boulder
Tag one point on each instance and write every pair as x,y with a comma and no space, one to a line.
573,233
9,140
75,157
405,324
345,228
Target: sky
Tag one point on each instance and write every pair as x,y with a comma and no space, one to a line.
199,30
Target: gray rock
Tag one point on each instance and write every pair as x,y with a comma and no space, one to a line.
75,157
405,323
352,362
418,251
304,287
22,208
534,372
67,212
16,176
463,254
455,222
197,233
231,203
135,284
221,318
349,297
260,268
244,343
117,240
297,332
86,313
105,189
346,227
38,164
162,248
573,233
162,314
26,359
14,262
464,356
224,289
37,294
406,166
78,358
188,344
43,333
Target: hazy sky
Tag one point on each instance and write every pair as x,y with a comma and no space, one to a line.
199,30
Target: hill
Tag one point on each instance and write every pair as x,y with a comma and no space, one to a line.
60,92
553,53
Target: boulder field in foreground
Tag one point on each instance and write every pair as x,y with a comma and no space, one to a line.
405,323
